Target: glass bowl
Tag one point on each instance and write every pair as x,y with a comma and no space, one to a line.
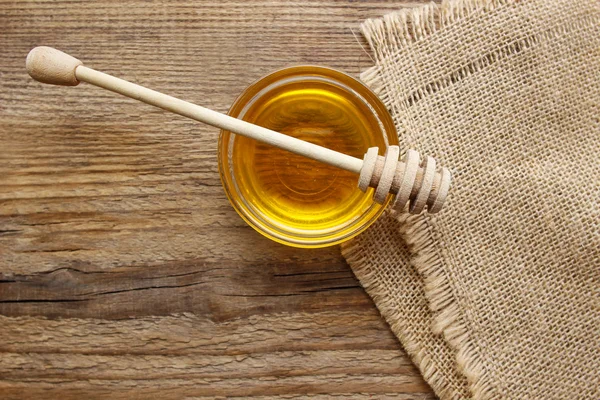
291,199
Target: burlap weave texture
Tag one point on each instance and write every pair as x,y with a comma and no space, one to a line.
498,296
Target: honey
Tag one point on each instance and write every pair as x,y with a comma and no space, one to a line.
288,197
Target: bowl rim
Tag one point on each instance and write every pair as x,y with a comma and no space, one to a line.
378,109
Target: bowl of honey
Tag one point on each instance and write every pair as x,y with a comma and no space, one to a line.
289,198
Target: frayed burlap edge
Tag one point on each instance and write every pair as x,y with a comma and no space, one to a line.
405,27
356,258
447,317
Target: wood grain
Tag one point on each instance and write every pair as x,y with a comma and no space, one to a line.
124,272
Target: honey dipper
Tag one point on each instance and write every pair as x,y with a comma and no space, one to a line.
413,182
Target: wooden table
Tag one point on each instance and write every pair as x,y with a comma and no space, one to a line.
124,271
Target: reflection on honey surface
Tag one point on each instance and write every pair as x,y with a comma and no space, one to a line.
291,190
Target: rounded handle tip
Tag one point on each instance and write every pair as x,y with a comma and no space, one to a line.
48,65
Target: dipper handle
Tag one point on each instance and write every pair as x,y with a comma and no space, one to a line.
415,183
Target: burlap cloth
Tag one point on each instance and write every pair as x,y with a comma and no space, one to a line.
498,296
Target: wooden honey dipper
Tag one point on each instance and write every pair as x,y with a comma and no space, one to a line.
413,182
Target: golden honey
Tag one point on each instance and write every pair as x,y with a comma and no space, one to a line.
287,197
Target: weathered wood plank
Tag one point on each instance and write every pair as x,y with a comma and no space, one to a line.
124,272
188,355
